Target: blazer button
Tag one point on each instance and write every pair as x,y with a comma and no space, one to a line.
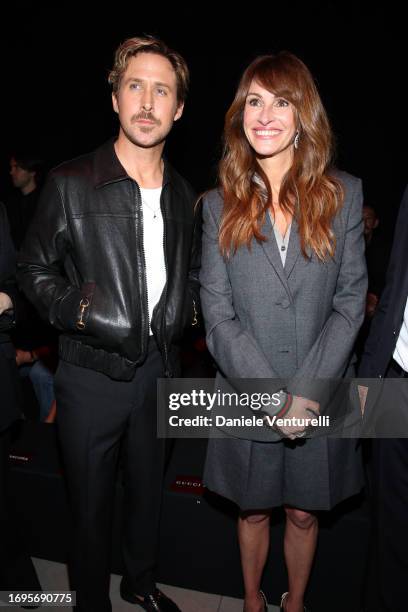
285,303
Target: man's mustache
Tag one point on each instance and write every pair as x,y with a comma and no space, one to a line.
146,115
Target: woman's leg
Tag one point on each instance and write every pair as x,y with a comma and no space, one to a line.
253,536
299,546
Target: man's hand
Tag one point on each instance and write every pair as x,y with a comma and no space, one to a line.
23,357
301,408
5,302
371,304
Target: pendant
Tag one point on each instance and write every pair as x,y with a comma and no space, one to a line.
283,248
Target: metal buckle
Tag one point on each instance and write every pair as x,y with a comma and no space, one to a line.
83,305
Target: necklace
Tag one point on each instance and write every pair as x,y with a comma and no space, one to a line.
154,210
282,243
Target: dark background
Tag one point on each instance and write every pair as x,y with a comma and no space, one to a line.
54,61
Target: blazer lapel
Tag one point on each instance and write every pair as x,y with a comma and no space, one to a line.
293,248
271,251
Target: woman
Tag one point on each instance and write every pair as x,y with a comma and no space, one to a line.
283,287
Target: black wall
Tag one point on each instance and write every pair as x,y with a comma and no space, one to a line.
54,60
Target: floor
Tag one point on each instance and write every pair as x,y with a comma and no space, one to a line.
53,577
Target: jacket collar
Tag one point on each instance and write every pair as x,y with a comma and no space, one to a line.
106,165
107,168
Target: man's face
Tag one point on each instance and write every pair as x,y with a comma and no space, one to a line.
20,177
146,101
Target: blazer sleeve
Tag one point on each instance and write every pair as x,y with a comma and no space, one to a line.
236,352
330,354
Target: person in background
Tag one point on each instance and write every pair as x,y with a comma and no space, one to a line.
35,341
26,173
17,572
377,255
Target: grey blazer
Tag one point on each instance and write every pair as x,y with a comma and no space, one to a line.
300,321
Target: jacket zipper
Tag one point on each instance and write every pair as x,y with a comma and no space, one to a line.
167,372
145,308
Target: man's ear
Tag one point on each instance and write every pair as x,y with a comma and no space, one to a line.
115,103
179,111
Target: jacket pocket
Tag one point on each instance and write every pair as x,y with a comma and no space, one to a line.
87,294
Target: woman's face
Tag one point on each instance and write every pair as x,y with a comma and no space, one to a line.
269,122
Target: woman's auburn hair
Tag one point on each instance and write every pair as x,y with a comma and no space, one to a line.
307,191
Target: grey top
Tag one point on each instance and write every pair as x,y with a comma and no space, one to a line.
281,241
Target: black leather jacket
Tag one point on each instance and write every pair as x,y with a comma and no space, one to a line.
82,264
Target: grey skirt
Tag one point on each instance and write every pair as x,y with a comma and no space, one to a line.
313,474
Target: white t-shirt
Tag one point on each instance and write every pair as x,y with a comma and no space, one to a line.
153,245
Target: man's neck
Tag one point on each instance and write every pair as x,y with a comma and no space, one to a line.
145,166
29,188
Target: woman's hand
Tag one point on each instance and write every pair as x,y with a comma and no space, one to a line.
5,302
301,408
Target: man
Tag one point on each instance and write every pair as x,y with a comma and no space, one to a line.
35,341
386,355
25,170
112,261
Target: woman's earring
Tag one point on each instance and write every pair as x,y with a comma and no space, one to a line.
296,141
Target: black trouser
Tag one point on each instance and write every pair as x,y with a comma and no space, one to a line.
95,414
388,582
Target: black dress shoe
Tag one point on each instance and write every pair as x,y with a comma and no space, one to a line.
154,602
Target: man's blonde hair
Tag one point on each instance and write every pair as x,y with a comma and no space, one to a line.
148,44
